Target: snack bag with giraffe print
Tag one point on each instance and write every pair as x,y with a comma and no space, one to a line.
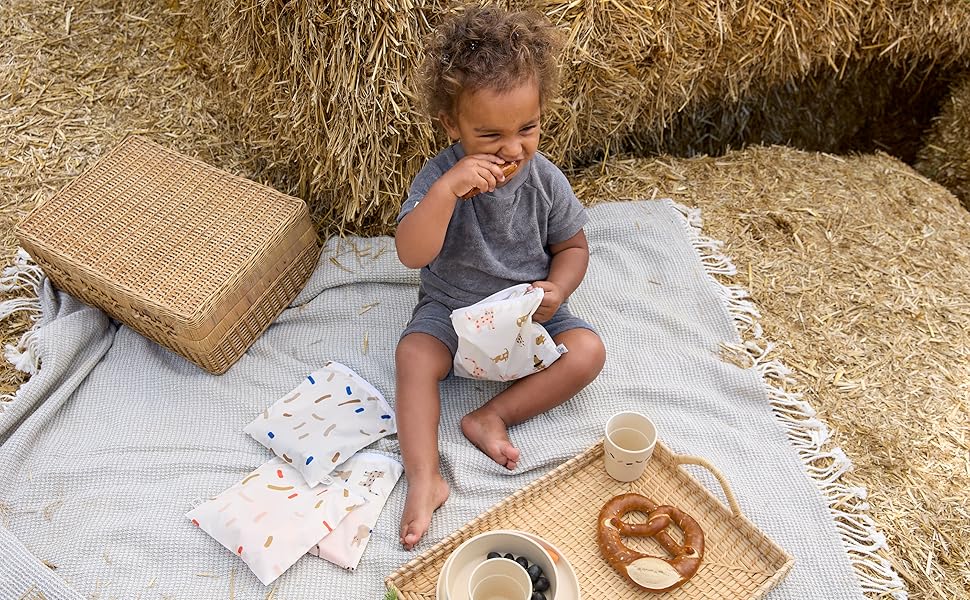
331,415
373,476
272,517
497,338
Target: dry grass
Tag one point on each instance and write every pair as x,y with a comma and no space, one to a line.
859,265
945,157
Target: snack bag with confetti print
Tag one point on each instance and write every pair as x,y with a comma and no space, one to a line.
373,476
498,340
331,415
272,517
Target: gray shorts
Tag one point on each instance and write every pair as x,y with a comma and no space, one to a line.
434,318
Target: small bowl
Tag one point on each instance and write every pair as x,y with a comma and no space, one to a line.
473,551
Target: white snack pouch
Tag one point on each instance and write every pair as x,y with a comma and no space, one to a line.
271,518
331,415
497,338
372,476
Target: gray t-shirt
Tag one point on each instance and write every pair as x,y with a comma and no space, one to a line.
497,239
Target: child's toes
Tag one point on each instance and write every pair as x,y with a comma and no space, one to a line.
405,531
412,536
512,453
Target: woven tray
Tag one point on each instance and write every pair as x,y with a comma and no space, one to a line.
194,258
562,507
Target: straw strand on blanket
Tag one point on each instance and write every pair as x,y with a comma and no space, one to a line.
22,277
809,435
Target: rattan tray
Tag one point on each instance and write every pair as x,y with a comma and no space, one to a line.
192,257
562,507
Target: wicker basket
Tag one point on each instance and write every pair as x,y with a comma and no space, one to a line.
562,507
191,257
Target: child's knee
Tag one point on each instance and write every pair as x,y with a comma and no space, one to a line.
587,352
420,352
595,354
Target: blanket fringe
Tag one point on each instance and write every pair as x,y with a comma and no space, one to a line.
824,462
23,278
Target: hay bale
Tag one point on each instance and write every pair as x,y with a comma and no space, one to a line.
945,157
627,65
329,98
329,93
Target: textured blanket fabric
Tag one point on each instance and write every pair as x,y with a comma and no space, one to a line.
115,439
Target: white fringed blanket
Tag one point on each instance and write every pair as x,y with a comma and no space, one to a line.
114,439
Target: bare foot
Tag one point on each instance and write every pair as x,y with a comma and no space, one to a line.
425,495
489,433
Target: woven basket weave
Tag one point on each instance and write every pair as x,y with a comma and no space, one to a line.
562,507
191,257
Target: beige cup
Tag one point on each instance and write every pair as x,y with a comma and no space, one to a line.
499,579
628,445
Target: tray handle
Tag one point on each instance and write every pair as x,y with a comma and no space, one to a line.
686,459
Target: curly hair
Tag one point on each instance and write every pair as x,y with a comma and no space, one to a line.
489,47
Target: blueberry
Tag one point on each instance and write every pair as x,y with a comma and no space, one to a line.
541,584
494,555
510,556
535,572
523,561
537,596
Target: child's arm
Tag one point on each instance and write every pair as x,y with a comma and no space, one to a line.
566,271
421,233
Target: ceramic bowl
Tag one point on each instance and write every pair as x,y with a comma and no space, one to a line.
473,551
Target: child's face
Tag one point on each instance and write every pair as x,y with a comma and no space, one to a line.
505,124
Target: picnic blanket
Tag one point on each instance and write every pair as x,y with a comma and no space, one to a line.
107,447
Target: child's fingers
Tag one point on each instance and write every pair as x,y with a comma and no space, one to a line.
487,181
492,174
494,170
478,171
491,163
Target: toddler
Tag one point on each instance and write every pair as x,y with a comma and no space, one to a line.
487,76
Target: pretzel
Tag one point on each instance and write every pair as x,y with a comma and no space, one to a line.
507,169
652,573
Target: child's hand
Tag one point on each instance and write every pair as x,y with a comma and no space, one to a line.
551,300
481,171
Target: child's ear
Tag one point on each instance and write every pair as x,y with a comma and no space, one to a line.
450,125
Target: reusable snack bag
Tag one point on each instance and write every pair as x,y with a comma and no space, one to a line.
331,415
497,338
272,517
373,476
